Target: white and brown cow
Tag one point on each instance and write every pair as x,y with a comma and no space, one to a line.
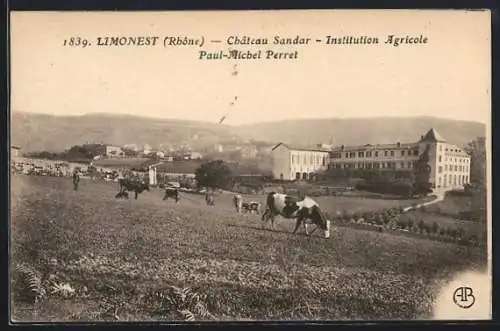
292,208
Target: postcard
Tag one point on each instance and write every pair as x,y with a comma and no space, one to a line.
282,165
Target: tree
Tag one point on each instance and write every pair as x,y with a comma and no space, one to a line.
422,171
214,174
477,150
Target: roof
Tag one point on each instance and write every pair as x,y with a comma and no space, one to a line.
375,147
433,136
300,148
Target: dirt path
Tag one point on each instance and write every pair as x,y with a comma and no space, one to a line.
439,197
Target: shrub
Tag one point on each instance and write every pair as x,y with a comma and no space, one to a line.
421,226
434,228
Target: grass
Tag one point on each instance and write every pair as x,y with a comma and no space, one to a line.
123,257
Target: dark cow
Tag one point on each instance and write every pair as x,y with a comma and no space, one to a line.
76,180
171,192
293,208
132,185
251,207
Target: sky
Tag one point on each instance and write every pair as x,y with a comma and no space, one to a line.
448,77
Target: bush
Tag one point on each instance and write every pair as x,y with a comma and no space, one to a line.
434,228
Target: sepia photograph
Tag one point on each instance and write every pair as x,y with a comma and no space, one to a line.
278,165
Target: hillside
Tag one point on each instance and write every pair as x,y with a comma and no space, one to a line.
356,131
37,132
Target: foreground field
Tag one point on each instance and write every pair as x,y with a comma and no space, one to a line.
122,257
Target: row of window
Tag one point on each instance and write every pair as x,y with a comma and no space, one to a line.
452,167
454,159
348,155
452,180
380,165
453,150
310,159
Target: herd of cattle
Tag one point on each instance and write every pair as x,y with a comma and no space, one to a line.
303,210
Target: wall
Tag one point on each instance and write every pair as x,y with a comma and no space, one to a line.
281,163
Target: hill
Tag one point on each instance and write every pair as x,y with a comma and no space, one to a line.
37,132
357,131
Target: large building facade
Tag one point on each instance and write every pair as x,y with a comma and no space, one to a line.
449,164
293,163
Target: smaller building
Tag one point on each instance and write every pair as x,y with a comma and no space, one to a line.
114,151
298,163
15,151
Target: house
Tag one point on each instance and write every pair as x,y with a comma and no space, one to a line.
298,163
449,164
113,151
15,151
196,156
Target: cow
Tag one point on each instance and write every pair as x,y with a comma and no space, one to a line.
132,185
171,192
251,207
238,203
76,180
299,209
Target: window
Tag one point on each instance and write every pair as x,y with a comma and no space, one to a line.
347,155
392,153
402,164
376,154
456,167
415,152
440,159
368,154
383,165
440,169
445,167
409,164
360,154
402,153
385,153
352,154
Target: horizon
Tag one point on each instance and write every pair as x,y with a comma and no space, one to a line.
251,123
449,75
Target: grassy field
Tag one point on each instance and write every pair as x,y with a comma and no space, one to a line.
129,260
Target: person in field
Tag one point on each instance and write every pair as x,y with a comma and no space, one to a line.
76,180
210,198
301,210
238,203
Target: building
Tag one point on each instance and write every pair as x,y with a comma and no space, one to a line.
114,151
296,163
449,164
14,151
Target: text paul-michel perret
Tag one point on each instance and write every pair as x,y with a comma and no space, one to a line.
394,40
